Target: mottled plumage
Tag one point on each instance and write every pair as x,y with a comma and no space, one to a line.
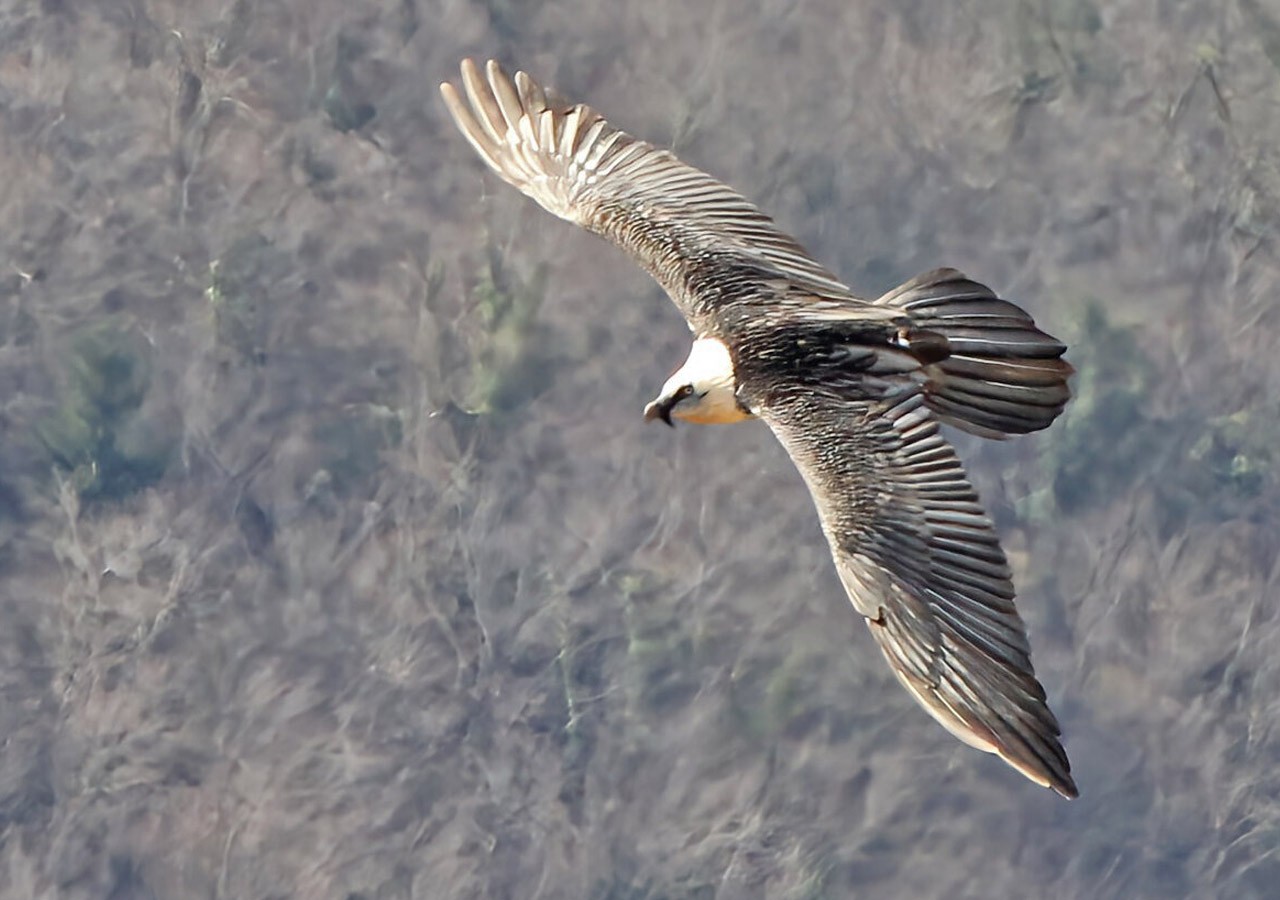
854,390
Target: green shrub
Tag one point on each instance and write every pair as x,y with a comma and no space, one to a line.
96,432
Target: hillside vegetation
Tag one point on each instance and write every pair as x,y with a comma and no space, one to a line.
337,561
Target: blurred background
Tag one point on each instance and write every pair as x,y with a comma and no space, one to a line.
337,561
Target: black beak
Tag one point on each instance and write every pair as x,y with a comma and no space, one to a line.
659,409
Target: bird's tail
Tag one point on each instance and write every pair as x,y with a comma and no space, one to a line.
1000,375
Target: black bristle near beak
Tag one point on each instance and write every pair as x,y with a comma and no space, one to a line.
659,409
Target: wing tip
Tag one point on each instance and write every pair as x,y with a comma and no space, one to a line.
1037,755
1058,780
1066,788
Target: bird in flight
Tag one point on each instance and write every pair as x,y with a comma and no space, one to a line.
854,389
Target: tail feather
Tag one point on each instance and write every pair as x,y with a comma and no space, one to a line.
1002,375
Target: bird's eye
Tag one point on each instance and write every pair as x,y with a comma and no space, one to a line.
685,391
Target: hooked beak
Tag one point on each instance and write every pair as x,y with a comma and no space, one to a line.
660,409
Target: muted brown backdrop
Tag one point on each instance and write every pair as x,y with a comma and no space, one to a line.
336,561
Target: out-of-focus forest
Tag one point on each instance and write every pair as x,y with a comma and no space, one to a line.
337,561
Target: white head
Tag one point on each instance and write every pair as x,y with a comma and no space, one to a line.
702,390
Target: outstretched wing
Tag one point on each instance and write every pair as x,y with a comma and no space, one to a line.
920,559
692,233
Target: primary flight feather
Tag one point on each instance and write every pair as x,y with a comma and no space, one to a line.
854,389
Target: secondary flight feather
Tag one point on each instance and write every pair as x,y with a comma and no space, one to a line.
854,389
